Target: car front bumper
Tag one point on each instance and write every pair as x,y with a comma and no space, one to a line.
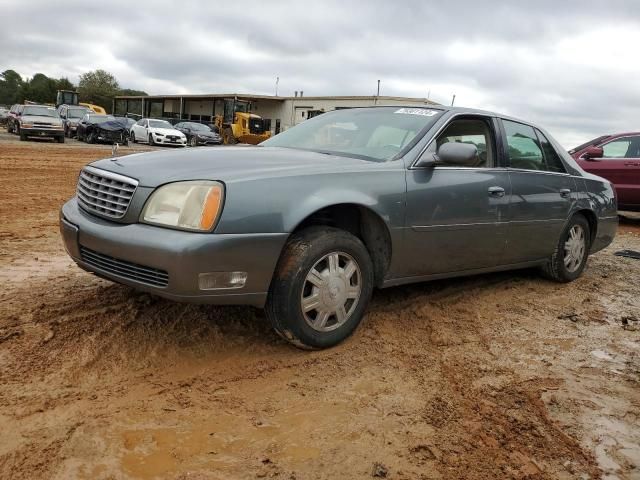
42,132
183,256
181,142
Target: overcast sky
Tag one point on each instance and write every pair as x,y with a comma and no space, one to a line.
571,66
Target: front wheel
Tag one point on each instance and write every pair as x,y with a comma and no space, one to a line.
151,142
570,256
193,141
321,287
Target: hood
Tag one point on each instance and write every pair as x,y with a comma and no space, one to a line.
206,134
166,131
226,164
41,119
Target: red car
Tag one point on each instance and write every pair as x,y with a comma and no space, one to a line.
616,158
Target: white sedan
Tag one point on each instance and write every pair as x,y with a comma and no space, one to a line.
157,132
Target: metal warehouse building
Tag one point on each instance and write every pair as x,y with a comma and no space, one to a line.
280,113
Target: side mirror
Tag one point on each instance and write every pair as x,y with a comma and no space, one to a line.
451,153
592,153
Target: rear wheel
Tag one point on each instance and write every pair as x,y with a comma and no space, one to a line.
570,256
321,287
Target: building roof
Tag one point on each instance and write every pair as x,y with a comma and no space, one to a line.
245,96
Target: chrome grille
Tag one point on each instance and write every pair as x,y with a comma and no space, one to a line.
124,269
105,193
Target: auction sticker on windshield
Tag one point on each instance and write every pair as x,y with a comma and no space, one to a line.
417,111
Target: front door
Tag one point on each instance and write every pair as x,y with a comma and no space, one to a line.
542,194
620,164
456,215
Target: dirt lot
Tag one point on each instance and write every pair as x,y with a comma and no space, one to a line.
496,376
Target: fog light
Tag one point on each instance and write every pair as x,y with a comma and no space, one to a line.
221,280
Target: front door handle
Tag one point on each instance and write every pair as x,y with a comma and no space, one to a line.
631,164
496,191
565,192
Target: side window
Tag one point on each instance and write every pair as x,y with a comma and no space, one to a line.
140,123
627,147
475,131
524,149
551,157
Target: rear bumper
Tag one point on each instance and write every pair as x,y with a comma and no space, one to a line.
182,255
607,229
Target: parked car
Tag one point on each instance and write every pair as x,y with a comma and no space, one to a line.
12,117
95,127
310,221
4,113
157,132
616,158
199,134
71,116
39,121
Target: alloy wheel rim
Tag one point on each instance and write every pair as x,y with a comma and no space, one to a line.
331,291
574,248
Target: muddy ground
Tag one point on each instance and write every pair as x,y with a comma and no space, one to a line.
495,376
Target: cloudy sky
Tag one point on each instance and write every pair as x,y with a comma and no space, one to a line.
571,66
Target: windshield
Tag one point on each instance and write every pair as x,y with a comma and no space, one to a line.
371,133
100,118
40,111
159,124
199,127
76,112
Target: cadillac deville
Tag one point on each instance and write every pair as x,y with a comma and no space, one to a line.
308,223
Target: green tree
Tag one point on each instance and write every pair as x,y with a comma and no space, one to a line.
64,84
131,92
98,87
10,83
40,88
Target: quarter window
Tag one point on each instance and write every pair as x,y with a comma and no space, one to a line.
524,150
551,157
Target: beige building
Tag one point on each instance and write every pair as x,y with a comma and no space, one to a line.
279,112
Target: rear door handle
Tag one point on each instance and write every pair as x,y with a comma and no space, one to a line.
496,191
631,164
565,192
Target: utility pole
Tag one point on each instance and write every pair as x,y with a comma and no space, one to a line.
453,99
277,81
377,94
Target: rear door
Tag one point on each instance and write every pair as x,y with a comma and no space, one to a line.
542,197
620,164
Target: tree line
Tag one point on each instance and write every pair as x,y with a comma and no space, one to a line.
97,87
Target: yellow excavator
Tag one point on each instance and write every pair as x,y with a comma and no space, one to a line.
246,128
69,97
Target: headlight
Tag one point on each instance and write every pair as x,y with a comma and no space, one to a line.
194,205
158,134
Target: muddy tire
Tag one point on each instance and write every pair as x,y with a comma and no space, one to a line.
321,287
90,138
572,251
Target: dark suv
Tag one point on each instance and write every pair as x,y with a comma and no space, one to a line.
71,116
616,158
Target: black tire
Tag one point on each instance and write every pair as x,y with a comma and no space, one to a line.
193,142
23,137
132,137
60,139
90,138
303,252
555,268
151,142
